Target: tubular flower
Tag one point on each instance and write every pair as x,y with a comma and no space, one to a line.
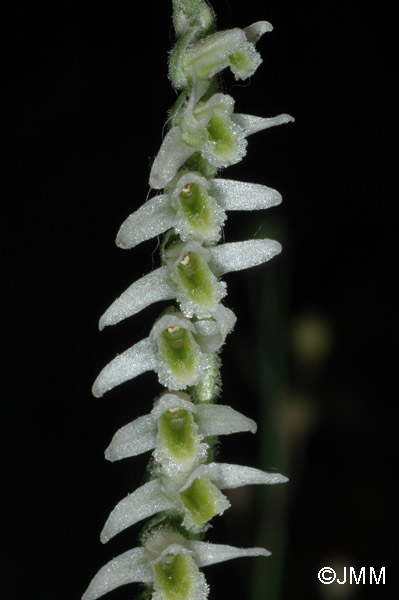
211,130
184,488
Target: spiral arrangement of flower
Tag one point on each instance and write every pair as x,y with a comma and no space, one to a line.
184,488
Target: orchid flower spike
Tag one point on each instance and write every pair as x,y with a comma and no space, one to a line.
184,487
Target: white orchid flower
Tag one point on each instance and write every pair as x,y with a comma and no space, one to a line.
195,208
234,48
196,496
211,129
191,276
176,428
169,563
176,350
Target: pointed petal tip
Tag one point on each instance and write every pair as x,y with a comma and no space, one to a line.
104,538
108,455
120,243
263,552
288,118
256,30
95,390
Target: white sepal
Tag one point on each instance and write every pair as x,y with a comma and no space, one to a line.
237,256
134,361
237,195
173,153
126,568
144,502
154,287
251,124
217,419
226,476
255,31
152,218
209,554
133,439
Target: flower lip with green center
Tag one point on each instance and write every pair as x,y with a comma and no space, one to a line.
136,565
224,145
177,368
203,219
198,290
164,493
141,435
213,53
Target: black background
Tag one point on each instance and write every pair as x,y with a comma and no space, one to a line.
87,96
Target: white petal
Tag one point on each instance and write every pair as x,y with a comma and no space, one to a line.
172,154
226,320
151,219
134,438
242,255
226,476
172,320
142,503
210,334
154,287
217,419
134,361
209,554
126,568
237,195
251,124
172,549
172,401
255,31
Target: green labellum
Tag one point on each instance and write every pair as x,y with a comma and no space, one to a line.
203,499
220,132
178,433
196,280
195,208
176,576
179,351
241,61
